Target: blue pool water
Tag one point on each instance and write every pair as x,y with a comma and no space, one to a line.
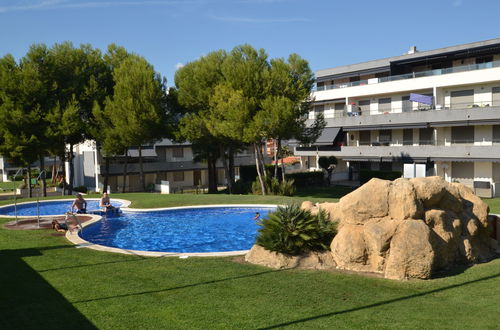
49,208
183,230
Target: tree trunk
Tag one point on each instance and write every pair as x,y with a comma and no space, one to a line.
43,176
276,157
231,165
71,170
142,182
226,170
282,162
106,175
54,170
125,171
212,174
261,160
63,170
30,193
257,166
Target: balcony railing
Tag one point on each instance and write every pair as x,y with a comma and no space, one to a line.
436,72
357,111
423,142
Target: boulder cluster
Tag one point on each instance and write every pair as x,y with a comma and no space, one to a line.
409,228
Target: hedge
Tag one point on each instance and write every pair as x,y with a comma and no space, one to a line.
304,179
367,175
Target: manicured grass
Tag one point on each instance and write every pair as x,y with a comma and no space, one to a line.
49,284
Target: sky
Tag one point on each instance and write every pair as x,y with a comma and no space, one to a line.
171,33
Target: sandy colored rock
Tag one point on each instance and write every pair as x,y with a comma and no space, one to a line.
403,201
401,229
430,190
371,200
307,205
349,249
412,255
312,260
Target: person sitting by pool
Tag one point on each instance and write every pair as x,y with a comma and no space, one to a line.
60,227
105,202
257,216
80,204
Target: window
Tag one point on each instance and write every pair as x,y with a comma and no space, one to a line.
364,107
462,99
462,134
364,138
426,136
385,137
407,104
495,97
178,152
408,136
384,105
496,133
179,176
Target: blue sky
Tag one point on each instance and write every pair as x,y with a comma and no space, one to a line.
170,33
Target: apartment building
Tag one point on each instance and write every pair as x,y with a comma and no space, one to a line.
163,161
424,113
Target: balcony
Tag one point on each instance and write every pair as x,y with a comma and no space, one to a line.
456,115
412,75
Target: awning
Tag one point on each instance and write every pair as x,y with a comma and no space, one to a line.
328,135
451,159
425,99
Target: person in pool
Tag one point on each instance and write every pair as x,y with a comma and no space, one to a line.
80,204
257,216
105,202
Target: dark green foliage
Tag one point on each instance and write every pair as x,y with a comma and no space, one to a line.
293,230
242,187
248,173
275,187
367,175
306,179
325,162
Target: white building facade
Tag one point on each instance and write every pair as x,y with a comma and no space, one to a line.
372,122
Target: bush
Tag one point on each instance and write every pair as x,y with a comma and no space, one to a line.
248,173
274,187
306,179
367,175
242,187
293,230
81,189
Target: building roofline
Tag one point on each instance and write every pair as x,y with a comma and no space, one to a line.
373,65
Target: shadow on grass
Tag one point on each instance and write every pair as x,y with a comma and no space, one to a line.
179,287
28,301
316,317
90,265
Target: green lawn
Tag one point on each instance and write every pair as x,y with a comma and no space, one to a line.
48,283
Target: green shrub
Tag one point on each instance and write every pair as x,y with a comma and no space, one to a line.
242,187
81,189
367,175
306,179
274,187
293,230
248,173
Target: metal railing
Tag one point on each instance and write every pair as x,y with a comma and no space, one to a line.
428,73
356,111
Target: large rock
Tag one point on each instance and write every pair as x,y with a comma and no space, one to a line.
312,260
404,229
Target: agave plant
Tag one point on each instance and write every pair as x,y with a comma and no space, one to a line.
294,231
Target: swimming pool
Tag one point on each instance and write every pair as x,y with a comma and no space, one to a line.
50,207
185,230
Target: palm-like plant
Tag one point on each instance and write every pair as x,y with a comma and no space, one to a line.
294,231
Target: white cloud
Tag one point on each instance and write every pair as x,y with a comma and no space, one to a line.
237,19
179,65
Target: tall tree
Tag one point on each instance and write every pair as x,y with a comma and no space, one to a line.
138,107
195,84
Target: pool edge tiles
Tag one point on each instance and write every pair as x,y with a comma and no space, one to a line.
81,243
124,204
